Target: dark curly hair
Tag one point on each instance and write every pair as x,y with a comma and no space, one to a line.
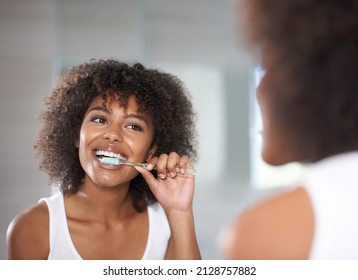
160,95
309,50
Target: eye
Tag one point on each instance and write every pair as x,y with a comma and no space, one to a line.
134,126
99,119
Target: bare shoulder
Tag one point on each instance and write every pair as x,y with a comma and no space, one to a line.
280,227
28,234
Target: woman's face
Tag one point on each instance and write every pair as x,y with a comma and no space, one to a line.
278,139
110,130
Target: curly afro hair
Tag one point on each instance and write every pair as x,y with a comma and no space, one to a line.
160,95
309,50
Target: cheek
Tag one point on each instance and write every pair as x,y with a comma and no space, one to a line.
278,141
82,149
84,140
141,146
140,149
275,139
268,138
271,148
273,136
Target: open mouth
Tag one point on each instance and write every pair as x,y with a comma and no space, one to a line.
110,158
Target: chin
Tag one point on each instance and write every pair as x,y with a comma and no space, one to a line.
276,159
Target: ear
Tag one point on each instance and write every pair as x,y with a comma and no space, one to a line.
151,152
77,142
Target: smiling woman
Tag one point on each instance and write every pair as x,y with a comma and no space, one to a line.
109,109
110,130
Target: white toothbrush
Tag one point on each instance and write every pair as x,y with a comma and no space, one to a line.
117,161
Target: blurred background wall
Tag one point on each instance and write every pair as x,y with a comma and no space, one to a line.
197,40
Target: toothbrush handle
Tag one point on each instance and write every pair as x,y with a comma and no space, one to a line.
190,171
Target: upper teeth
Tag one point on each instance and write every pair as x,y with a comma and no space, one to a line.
109,154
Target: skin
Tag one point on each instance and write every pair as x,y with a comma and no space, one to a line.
282,226
277,141
100,215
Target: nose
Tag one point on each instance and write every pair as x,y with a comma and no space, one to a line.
113,135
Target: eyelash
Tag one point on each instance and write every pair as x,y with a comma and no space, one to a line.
102,119
99,119
135,126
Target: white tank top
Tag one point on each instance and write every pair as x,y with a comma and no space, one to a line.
332,185
62,247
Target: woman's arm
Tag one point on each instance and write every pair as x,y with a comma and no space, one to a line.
182,244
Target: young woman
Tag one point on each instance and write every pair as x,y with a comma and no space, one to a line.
101,114
309,102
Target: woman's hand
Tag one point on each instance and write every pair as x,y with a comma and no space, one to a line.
174,190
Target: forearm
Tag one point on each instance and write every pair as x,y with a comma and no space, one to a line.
183,245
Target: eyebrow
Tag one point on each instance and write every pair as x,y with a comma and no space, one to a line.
108,111
139,117
100,108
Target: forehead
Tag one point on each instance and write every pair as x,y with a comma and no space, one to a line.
131,106
112,102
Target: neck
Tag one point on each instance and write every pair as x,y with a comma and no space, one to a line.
106,203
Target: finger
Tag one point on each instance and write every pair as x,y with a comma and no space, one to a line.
151,163
172,164
184,163
161,166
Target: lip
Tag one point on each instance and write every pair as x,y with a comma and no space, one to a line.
111,150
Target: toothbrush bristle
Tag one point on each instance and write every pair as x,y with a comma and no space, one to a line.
111,160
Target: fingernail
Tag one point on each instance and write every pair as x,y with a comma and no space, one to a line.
172,174
162,176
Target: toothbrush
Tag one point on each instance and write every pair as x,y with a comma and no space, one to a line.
117,161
